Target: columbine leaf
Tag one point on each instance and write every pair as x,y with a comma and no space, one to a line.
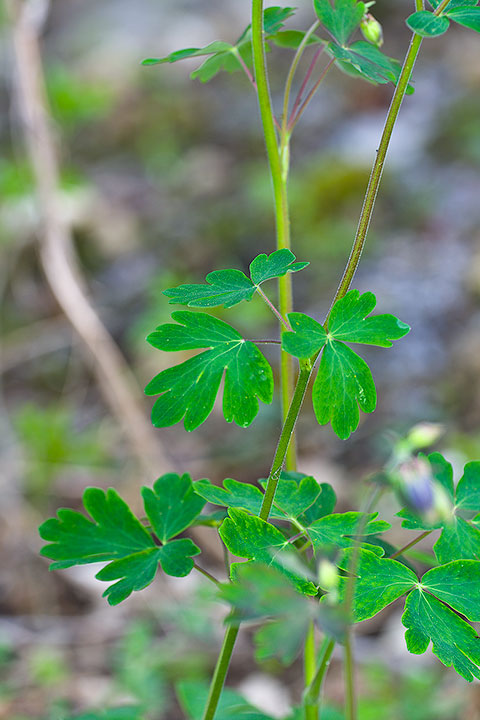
274,18
277,264
362,59
188,391
323,505
115,535
379,581
454,641
261,592
340,20
295,493
467,16
250,537
343,383
344,380
233,494
224,287
460,538
453,4
293,38
340,530
427,24
456,583
230,287
193,697
172,505
212,48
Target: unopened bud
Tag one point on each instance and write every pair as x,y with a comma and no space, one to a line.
415,485
328,579
424,434
372,30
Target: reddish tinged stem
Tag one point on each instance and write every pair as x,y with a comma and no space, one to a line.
296,118
307,77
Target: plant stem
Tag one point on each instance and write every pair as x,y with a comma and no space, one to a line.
291,74
311,695
272,307
220,672
208,575
309,666
285,438
278,162
410,544
307,77
377,169
349,676
441,7
295,118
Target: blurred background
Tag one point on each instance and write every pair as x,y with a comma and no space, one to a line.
161,180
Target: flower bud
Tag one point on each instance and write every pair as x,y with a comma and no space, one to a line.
328,579
424,434
372,30
415,485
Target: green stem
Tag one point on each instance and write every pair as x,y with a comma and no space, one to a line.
441,7
349,677
220,672
291,74
410,544
311,695
285,439
377,169
278,162
309,667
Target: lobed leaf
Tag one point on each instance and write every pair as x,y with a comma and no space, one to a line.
344,381
230,287
426,24
188,390
340,530
341,19
193,697
467,16
249,537
454,641
115,535
378,582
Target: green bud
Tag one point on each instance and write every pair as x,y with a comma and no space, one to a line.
424,434
372,30
328,579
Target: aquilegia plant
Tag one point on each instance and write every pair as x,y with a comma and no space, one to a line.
304,565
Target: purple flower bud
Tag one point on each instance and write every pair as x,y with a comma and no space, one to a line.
415,485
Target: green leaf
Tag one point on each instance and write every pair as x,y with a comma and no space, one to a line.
277,264
250,537
230,287
274,18
211,49
427,24
454,4
233,494
339,530
456,583
260,592
460,538
365,60
193,696
294,496
115,535
340,20
467,16
344,380
379,581
323,505
454,641
343,383
293,38
224,287
188,390
172,505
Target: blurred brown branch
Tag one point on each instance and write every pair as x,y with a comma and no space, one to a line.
56,247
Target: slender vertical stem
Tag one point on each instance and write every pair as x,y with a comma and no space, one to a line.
291,73
349,677
410,544
309,668
312,693
220,672
278,161
296,117
304,84
377,169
